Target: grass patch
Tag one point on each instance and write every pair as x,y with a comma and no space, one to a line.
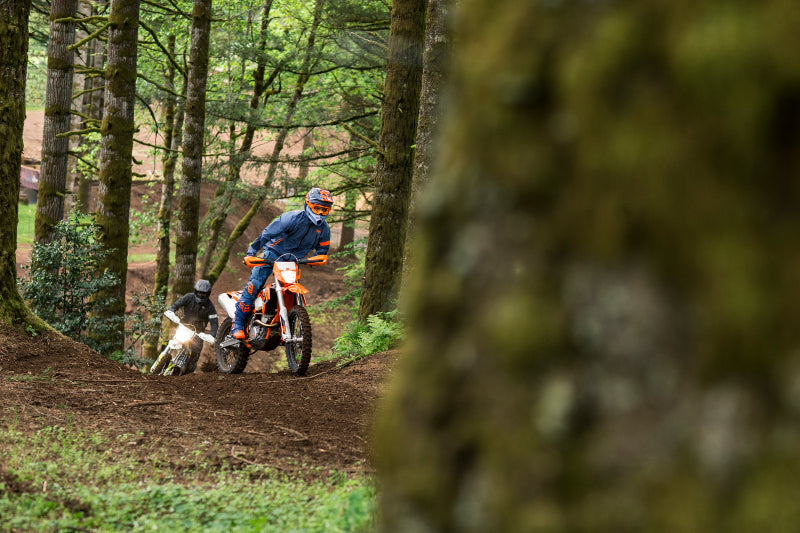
141,258
65,479
25,223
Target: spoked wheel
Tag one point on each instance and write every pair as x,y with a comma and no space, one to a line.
230,360
298,350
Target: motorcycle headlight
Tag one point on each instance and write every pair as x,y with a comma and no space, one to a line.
183,334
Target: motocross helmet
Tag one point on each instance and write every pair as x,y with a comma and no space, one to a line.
202,291
318,204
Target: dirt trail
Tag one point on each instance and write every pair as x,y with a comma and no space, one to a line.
306,425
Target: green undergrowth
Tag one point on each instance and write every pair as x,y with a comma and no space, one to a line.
68,479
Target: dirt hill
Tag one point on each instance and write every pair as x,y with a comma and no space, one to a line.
305,425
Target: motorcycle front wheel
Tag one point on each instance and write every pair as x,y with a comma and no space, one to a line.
298,353
160,363
230,360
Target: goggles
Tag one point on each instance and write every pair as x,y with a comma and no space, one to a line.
319,209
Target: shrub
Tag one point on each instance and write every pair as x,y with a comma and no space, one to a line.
379,333
62,279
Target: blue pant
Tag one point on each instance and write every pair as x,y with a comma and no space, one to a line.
244,308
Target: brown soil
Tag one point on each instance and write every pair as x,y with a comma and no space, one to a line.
306,425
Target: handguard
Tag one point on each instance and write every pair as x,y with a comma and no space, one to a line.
316,260
253,261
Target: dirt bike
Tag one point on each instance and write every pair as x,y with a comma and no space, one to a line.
280,317
174,358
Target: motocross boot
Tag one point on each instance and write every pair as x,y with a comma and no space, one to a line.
241,318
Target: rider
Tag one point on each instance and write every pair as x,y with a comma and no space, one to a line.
197,311
294,232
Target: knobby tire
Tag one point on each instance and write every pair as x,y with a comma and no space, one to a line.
232,360
299,356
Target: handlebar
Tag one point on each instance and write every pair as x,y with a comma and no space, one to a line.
254,261
205,336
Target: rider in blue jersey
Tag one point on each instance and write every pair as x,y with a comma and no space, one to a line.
295,232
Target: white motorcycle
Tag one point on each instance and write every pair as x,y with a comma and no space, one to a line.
173,360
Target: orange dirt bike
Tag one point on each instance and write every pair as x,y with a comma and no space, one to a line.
280,317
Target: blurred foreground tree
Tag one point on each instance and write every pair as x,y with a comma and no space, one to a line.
604,316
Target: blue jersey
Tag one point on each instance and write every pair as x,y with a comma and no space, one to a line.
293,232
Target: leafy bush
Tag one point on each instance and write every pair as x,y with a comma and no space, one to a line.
143,325
62,279
379,333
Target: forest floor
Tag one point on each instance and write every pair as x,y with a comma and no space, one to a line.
305,425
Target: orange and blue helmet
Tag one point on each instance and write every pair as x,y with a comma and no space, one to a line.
318,204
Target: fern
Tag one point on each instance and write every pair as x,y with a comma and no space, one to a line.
379,333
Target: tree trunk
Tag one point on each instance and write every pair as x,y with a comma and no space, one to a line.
189,193
603,321
395,159
173,129
348,226
14,49
435,61
116,149
91,104
302,79
57,118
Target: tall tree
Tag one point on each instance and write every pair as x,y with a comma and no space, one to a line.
194,130
14,49
604,318
395,160
57,118
116,150
173,139
438,44
89,70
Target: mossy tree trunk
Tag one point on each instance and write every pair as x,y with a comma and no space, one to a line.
194,135
604,316
57,118
116,149
93,56
395,159
14,49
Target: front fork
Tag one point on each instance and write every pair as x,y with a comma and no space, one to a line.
286,335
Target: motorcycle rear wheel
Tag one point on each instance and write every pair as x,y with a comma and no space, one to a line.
298,354
230,360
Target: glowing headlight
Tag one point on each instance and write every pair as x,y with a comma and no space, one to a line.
183,334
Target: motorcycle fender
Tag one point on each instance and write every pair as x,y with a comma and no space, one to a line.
175,344
228,302
297,288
